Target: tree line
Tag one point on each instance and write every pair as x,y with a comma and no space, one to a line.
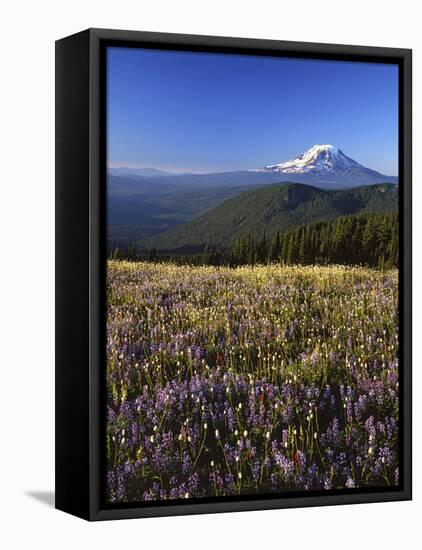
368,239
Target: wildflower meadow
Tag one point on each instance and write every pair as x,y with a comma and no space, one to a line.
250,380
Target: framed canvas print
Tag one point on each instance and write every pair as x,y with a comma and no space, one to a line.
233,274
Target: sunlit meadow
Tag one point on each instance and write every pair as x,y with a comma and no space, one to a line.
262,379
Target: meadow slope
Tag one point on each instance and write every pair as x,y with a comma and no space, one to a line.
268,379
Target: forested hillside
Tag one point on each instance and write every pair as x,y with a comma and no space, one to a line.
271,209
367,239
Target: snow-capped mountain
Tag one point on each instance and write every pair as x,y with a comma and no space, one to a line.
326,165
323,158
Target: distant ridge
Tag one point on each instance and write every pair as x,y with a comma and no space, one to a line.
323,166
141,172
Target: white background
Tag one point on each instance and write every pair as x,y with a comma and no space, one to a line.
28,32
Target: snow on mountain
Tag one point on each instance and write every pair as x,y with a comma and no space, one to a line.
326,164
319,157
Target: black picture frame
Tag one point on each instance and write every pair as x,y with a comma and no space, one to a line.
80,269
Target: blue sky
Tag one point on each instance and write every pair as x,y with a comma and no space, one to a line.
201,112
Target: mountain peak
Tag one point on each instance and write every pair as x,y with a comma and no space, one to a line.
325,165
326,147
319,159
